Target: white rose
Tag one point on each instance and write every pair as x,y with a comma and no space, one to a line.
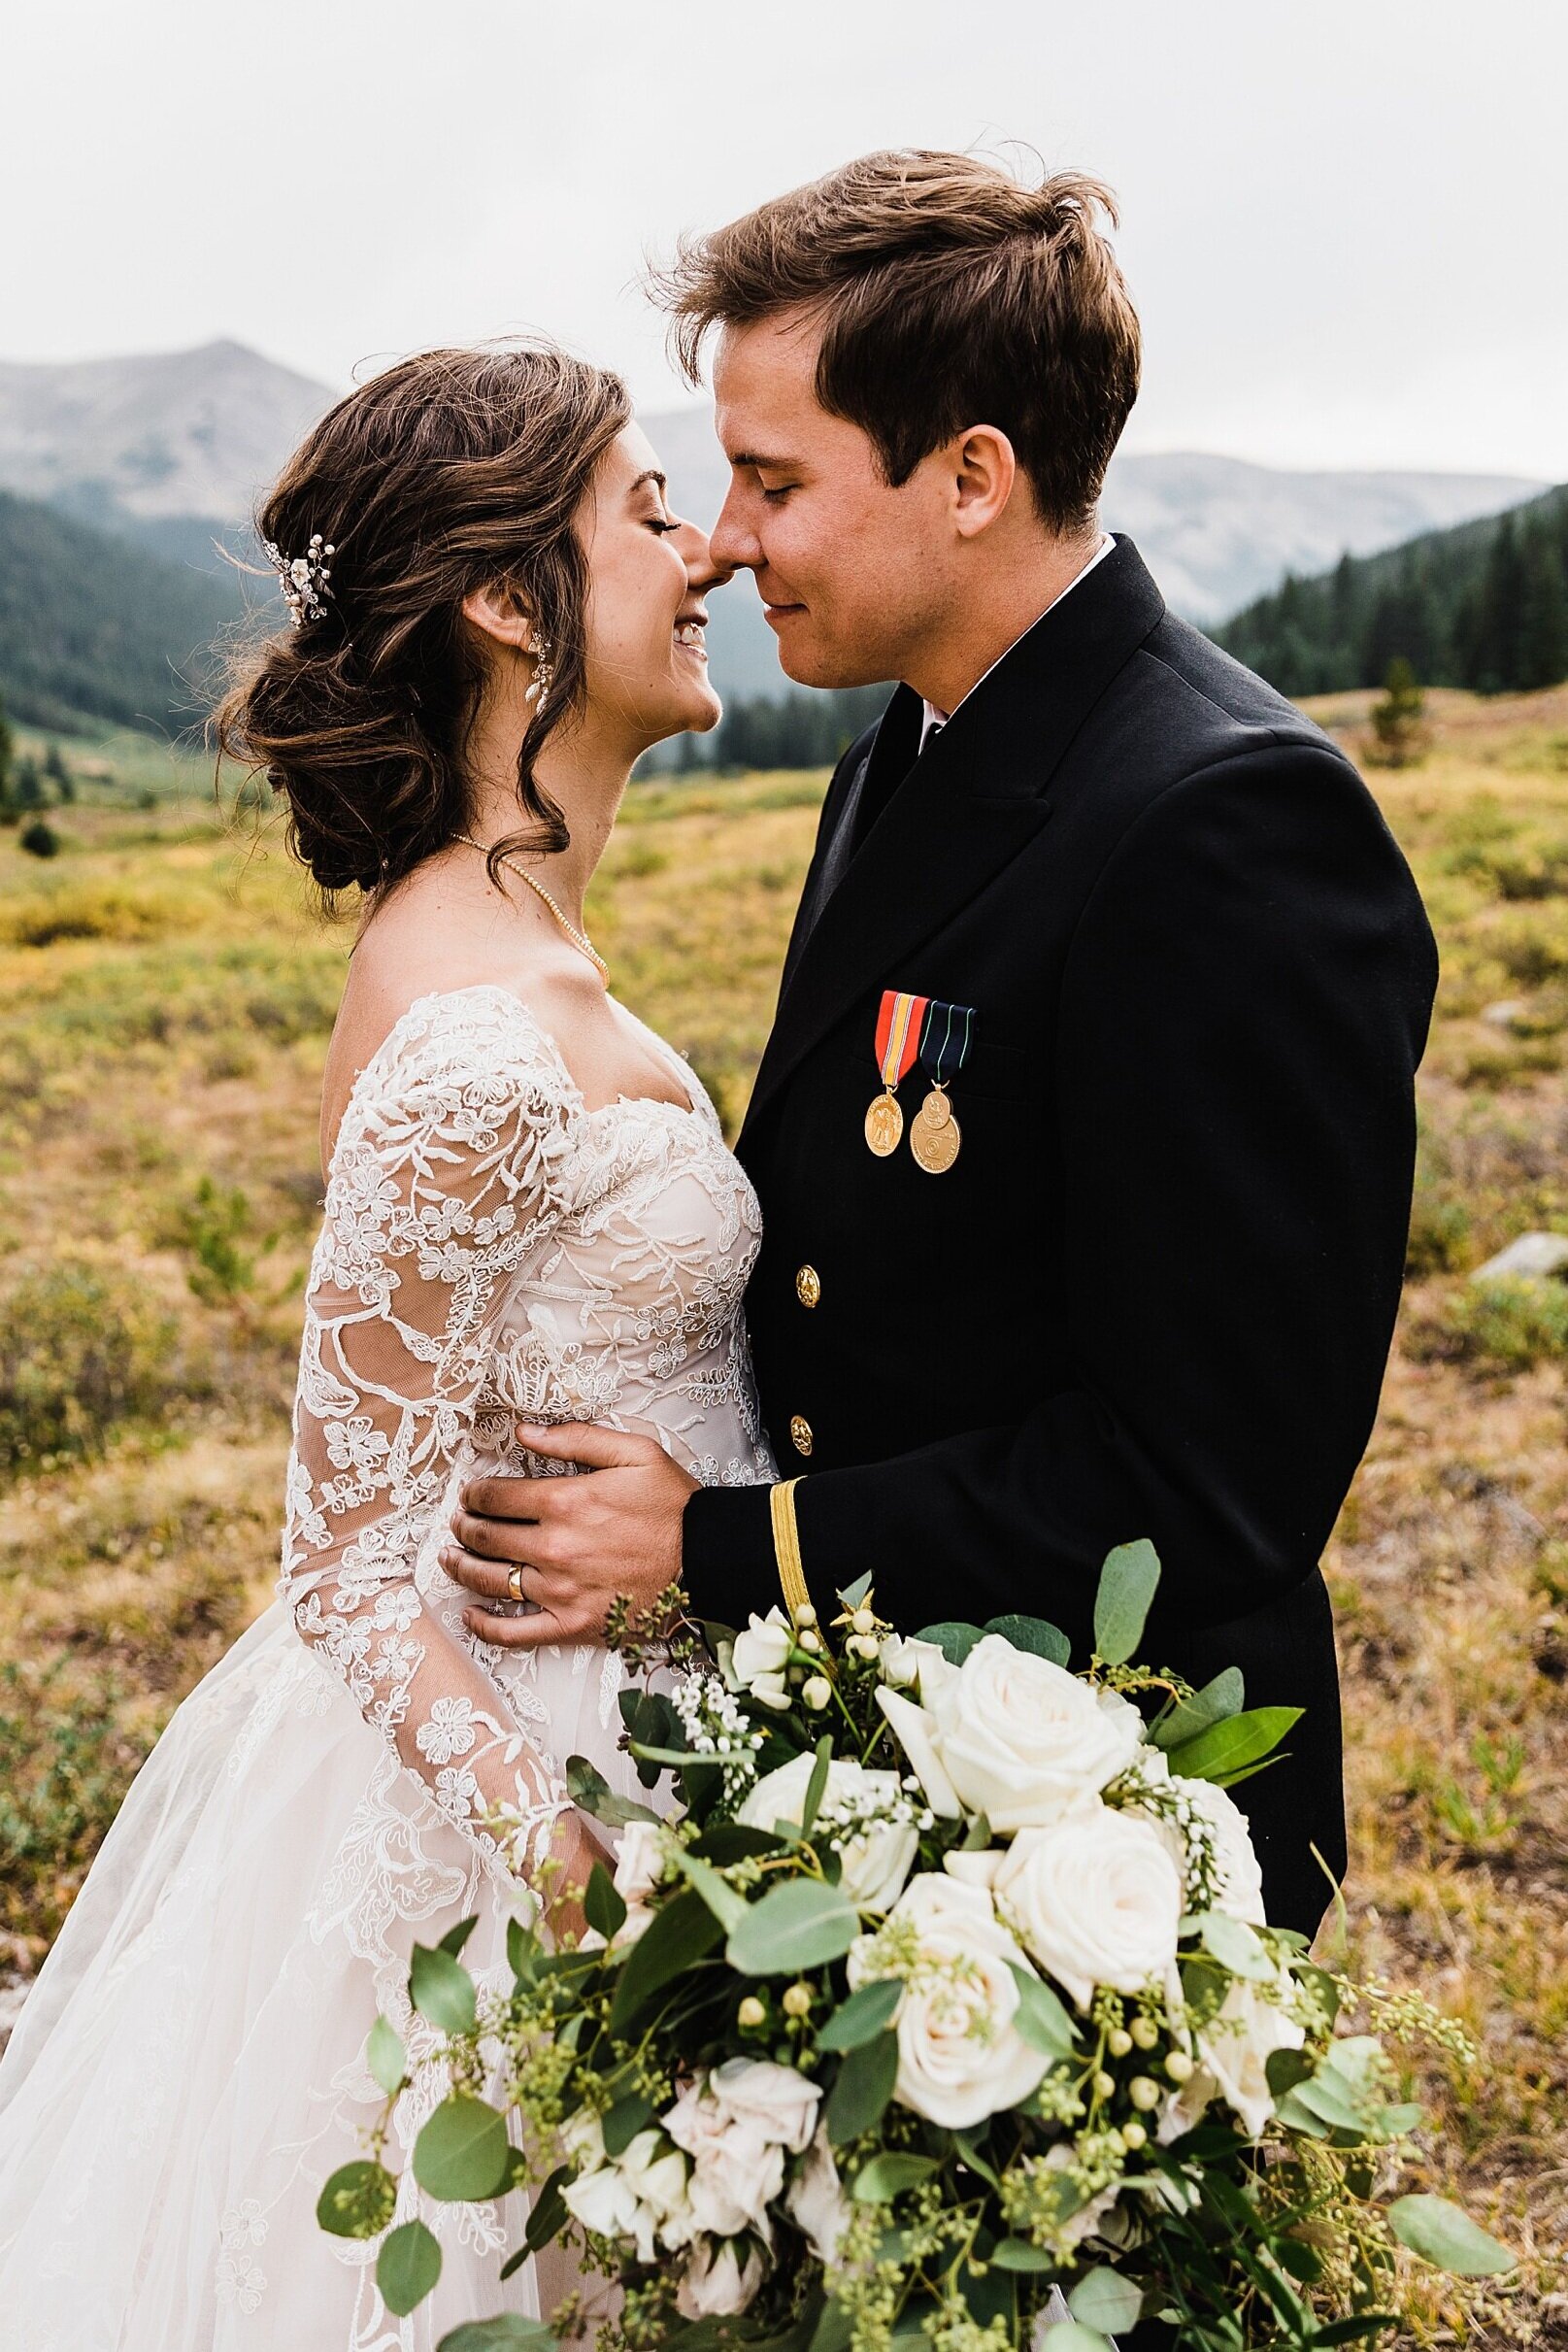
914,1729
606,2203
1237,2044
777,2100
761,1654
1241,1877
876,1859
639,1861
816,2202
656,2172
1097,1899
960,2057
733,2184
715,2282
1024,1741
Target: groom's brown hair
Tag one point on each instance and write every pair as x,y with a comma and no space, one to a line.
950,294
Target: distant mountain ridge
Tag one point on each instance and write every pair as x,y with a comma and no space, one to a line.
150,438
170,450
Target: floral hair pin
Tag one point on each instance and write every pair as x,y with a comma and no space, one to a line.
303,579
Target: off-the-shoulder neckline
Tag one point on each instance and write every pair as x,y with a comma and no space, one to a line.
694,1107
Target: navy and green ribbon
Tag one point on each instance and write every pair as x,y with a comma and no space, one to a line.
945,1040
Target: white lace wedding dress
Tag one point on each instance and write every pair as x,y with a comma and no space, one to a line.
189,2068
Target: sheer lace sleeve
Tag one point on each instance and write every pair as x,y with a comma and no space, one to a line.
441,1183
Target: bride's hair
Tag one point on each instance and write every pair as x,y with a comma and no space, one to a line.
451,471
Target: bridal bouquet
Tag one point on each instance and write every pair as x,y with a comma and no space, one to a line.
942,2012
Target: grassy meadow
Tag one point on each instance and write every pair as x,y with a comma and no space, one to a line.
168,995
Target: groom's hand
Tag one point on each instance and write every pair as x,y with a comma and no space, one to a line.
577,1543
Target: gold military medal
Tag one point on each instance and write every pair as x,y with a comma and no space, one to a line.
898,1037
935,1135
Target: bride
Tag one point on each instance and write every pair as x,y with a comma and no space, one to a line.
530,1213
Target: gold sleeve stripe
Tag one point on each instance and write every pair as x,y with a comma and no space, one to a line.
786,1545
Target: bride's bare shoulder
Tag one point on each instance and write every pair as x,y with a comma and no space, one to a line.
424,941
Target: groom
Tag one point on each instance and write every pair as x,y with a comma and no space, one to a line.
1085,1133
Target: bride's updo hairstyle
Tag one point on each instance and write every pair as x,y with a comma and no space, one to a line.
452,471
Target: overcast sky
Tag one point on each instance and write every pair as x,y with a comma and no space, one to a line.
1344,223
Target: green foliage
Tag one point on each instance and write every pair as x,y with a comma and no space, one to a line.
1484,605
408,2266
1508,1322
1440,2233
39,839
27,785
93,624
1127,1583
357,2202
1400,736
64,1769
82,1348
462,2154
804,728
212,1225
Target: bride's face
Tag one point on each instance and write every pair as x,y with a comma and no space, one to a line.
647,571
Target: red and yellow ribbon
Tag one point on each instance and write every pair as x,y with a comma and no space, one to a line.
898,1033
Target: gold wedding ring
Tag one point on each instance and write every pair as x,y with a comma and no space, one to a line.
514,1583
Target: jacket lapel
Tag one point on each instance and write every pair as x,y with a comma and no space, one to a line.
971,801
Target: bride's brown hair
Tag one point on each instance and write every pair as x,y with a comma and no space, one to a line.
451,471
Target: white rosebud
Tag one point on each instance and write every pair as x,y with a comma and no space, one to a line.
817,1692
715,2282
763,1649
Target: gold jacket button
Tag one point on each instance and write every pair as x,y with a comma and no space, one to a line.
800,1433
808,1286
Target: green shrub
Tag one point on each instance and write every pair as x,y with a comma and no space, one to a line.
39,839
90,911
1439,1233
1507,1323
82,1349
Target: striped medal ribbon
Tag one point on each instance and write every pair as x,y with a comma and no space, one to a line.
935,1135
898,1040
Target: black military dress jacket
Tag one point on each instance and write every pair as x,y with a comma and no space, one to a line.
1154,1294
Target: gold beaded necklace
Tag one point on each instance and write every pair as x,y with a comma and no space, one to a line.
579,939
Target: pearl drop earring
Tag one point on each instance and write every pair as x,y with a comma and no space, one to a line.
538,694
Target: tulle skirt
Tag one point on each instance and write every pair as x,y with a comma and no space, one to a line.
189,2068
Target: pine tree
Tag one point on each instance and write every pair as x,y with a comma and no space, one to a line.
1398,721
27,785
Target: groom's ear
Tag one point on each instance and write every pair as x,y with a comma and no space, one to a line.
982,469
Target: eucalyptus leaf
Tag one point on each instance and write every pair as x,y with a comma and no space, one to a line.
1064,2335
1226,1747
442,1990
623,2121
1126,1587
681,1932
727,1906
359,2201
1040,2019
1018,2254
604,1906
954,1641
1103,2299
1224,1696
880,2181
858,2098
1034,1634
385,2057
816,1786
864,2014
408,2266
798,1925
548,2215
1232,1942
1441,2232
462,2156
508,2332
587,1788
834,2330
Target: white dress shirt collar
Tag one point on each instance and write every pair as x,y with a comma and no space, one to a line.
934,717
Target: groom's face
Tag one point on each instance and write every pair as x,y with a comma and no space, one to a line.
855,577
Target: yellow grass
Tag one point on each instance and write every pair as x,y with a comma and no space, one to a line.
168,996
